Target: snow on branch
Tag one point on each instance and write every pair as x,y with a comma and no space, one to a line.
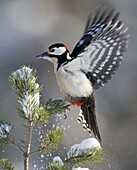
5,129
23,81
88,151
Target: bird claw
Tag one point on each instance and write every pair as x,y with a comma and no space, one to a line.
65,114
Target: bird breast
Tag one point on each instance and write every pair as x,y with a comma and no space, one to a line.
75,84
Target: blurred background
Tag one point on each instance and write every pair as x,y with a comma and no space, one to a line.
27,28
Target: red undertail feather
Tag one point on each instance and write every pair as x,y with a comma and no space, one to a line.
87,114
75,102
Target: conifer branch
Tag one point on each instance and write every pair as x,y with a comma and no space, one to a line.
27,153
12,142
5,164
88,151
23,82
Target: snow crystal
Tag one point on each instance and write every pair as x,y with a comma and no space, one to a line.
28,103
4,129
22,72
89,143
42,156
8,128
40,136
58,159
85,144
74,150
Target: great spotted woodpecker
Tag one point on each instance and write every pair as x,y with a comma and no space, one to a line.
91,64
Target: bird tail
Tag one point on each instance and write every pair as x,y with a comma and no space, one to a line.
87,116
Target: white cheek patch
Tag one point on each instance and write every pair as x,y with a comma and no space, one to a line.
58,51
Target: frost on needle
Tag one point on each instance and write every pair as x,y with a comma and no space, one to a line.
23,81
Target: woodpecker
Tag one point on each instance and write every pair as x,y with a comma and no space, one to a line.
93,61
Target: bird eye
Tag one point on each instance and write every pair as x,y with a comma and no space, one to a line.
52,50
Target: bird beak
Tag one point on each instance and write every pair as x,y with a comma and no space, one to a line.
43,55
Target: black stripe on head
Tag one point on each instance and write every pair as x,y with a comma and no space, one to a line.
60,52
56,45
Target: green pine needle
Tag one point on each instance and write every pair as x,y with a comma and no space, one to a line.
51,140
3,142
51,166
87,157
55,106
23,81
5,164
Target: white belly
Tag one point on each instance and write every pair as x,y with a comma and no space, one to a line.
75,85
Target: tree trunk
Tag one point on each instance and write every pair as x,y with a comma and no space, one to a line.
26,162
27,154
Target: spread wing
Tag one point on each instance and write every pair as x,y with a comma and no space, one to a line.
102,47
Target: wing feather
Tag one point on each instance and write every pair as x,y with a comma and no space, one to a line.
102,47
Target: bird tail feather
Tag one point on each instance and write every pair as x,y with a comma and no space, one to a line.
88,118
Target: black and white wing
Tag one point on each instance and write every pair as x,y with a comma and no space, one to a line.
102,47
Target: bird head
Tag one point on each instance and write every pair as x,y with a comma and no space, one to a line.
57,54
